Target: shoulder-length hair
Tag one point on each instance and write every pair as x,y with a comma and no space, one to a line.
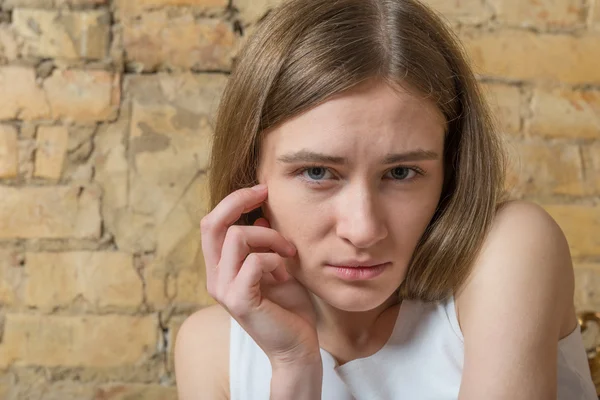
306,51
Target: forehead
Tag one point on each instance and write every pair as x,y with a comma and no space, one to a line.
372,115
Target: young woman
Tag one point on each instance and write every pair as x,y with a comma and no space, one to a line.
359,245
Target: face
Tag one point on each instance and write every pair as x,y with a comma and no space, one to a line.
355,182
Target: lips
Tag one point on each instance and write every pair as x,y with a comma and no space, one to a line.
357,264
355,272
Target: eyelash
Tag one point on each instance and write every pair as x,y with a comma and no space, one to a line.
414,168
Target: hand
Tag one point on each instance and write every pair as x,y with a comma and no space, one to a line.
246,274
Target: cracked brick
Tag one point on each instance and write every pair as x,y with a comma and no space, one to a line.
64,34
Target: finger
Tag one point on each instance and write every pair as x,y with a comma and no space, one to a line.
247,283
214,225
281,274
262,222
265,224
238,244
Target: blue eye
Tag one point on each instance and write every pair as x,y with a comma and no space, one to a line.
400,173
320,175
315,173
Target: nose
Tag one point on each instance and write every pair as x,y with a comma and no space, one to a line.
360,219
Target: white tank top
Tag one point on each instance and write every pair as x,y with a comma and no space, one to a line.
422,360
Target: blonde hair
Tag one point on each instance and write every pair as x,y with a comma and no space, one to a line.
306,51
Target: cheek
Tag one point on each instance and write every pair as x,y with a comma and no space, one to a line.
291,212
425,209
409,221
429,197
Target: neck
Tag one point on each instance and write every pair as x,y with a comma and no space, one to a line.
357,330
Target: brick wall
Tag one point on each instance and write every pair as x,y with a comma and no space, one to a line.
105,110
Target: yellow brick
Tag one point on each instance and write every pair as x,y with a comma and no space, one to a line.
565,113
157,40
253,10
77,341
7,385
73,95
9,46
62,3
463,11
179,278
591,156
9,152
48,4
101,279
586,265
83,95
546,169
506,103
21,97
51,149
174,326
581,225
111,172
554,13
169,143
63,34
135,392
32,386
49,212
587,287
177,274
129,8
12,277
524,55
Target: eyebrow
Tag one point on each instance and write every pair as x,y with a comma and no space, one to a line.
315,157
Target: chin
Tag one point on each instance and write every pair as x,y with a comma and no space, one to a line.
355,299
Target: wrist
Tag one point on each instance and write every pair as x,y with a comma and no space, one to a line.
299,366
287,361
300,380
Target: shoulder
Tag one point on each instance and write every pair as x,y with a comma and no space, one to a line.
202,354
517,303
524,219
524,256
524,245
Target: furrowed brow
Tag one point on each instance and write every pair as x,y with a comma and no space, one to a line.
415,155
306,156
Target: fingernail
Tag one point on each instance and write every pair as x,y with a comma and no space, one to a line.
259,188
292,250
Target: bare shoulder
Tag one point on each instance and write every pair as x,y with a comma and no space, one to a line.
525,261
515,306
202,355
